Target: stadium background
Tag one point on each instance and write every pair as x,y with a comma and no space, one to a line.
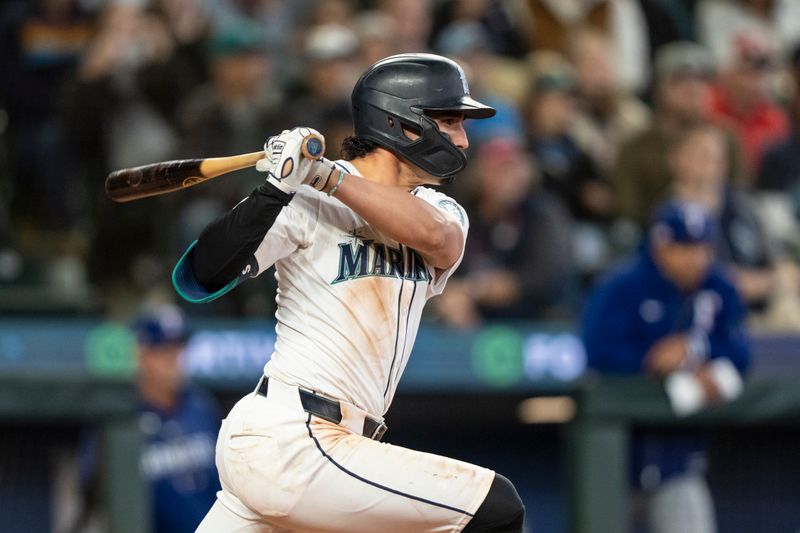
90,86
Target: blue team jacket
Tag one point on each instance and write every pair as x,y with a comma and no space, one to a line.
178,459
634,307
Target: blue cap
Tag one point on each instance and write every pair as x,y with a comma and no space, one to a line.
162,325
682,222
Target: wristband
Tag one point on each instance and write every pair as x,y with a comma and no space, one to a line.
726,378
685,393
338,183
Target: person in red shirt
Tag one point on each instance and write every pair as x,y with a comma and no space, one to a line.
741,101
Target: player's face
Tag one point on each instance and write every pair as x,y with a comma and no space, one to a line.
685,265
452,125
160,366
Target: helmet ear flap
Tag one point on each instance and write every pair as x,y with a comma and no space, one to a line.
434,151
430,149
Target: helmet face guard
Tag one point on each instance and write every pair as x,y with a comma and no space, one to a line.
396,93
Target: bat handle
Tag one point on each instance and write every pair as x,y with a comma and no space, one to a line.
313,147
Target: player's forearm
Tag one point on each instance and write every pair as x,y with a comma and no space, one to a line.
227,244
404,218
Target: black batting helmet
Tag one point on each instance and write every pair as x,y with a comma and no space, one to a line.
397,91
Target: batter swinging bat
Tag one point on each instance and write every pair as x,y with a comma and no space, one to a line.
161,178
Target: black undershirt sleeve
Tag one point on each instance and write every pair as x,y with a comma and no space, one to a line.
226,245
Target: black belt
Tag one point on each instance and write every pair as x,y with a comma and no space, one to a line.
328,409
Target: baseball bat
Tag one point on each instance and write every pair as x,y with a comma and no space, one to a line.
167,176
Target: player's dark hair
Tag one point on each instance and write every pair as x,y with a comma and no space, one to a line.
354,147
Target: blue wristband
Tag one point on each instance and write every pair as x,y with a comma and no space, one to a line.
338,183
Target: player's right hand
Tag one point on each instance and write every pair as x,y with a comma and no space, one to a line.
284,163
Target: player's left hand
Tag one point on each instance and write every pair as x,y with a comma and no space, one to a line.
286,166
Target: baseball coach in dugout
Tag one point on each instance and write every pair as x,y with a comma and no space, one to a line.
359,246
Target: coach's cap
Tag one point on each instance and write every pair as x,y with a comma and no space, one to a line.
683,58
161,325
682,222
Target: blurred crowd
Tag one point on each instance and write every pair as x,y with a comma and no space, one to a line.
606,108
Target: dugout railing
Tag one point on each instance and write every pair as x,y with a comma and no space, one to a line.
607,409
107,404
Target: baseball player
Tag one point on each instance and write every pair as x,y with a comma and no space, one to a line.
359,246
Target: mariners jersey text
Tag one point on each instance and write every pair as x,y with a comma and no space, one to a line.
364,258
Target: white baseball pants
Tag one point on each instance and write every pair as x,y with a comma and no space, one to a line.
284,470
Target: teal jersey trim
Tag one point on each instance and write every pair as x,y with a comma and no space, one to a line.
189,288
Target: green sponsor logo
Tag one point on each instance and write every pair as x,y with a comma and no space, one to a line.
497,356
110,350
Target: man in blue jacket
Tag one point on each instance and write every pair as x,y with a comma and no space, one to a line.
672,313
180,422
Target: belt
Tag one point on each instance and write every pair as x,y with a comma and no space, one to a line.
328,409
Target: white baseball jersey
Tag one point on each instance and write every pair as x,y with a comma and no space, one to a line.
349,297
349,305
